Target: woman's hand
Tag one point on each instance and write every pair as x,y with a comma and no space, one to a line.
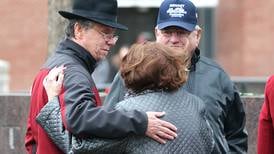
53,82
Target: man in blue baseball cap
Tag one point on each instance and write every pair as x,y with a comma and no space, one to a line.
177,26
90,34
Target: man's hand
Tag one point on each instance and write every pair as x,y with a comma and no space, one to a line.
158,129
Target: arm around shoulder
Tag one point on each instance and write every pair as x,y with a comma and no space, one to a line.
81,116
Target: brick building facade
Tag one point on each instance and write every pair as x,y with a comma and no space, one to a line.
244,38
23,34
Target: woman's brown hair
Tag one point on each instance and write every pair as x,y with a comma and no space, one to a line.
153,66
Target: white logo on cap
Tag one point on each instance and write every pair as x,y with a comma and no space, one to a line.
176,10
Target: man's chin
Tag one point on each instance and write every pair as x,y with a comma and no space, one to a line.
179,49
102,57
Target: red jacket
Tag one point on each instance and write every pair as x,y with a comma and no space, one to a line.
266,125
34,131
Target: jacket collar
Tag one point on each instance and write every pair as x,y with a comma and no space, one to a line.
70,47
194,59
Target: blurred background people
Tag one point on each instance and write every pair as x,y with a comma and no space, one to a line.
144,36
117,58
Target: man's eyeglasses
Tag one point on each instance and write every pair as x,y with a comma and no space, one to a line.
108,37
179,33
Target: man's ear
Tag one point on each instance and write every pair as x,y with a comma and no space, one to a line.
77,31
199,33
156,33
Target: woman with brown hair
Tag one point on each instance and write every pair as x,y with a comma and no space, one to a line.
152,66
153,73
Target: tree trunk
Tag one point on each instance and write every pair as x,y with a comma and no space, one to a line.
56,23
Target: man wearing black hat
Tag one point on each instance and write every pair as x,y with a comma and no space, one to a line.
176,25
90,35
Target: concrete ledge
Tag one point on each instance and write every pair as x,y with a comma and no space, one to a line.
253,106
14,112
250,85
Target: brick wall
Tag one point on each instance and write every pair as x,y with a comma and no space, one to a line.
245,37
23,35
243,43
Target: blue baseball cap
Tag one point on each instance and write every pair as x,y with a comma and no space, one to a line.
179,13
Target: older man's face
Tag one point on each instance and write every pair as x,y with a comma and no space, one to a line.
97,40
178,38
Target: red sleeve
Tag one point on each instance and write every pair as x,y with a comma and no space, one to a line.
34,132
266,126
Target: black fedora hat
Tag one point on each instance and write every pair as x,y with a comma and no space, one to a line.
101,11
